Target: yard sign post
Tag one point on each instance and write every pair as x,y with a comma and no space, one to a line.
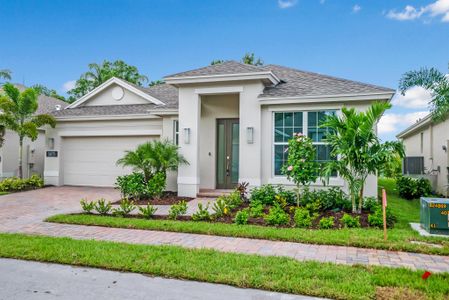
384,210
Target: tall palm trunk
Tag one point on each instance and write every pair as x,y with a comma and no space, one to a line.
360,199
20,157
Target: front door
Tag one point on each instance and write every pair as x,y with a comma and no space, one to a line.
227,153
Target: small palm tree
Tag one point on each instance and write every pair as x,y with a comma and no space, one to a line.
434,81
19,115
5,74
360,153
153,157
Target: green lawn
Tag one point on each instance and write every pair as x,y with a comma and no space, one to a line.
398,238
250,271
3,193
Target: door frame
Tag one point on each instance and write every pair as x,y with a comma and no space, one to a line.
228,149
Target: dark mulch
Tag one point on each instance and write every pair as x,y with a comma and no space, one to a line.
167,198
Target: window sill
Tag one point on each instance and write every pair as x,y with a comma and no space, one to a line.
334,181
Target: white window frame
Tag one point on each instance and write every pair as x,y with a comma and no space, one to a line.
175,132
282,179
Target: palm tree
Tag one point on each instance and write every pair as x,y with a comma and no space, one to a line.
434,81
360,153
5,74
153,157
18,114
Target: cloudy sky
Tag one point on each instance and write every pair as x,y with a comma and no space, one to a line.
51,42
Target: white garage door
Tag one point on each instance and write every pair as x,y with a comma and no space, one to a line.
92,160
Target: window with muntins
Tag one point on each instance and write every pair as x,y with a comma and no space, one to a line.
176,132
308,123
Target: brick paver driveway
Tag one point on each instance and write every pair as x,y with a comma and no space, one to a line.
24,212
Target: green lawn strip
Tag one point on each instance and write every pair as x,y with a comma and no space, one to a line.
250,271
398,239
3,193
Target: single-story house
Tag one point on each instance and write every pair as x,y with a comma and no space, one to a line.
426,147
33,151
231,121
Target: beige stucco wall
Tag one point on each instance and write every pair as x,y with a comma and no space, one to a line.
105,98
33,152
213,107
435,136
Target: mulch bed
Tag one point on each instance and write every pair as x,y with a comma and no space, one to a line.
167,198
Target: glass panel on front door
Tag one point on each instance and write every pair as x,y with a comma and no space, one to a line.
227,153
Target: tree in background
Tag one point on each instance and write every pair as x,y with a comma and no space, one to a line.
43,90
434,81
5,74
99,73
354,141
19,115
248,58
155,82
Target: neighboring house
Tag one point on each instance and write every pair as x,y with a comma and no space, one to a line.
232,122
426,148
33,152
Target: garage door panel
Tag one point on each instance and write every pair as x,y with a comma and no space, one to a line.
92,160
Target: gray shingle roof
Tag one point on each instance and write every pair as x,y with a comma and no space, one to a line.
163,92
105,110
298,83
46,104
227,67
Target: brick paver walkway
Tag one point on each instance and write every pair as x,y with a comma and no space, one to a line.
24,212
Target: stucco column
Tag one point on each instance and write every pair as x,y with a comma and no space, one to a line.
250,115
189,123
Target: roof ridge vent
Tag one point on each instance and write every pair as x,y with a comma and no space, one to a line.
58,107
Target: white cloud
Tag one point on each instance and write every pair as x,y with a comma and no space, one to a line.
287,3
439,8
391,123
415,97
356,8
67,86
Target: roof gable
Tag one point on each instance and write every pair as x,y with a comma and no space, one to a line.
121,83
224,68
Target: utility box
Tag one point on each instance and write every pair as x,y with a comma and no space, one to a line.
434,215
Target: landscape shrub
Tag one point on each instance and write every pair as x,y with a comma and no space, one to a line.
177,209
326,223
277,216
102,207
256,209
125,208
326,199
268,194
147,211
376,218
233,200
133,185
242,188
220,207
15,184
202,214
241,217
87,206
350,221
370,204
413,188
302,218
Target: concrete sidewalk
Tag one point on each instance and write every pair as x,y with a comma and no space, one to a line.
32,280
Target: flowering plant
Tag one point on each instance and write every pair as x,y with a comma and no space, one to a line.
301,166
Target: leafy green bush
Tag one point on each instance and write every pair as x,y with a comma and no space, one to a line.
125,208
87,206
325,199
277,216
268,194
376,219
147,211
15,184
326,223
412,188
220,207
156,185
233,200
133,185
241,217
370,204
202,214
102,207
350,221
256,209
177,209
302,218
